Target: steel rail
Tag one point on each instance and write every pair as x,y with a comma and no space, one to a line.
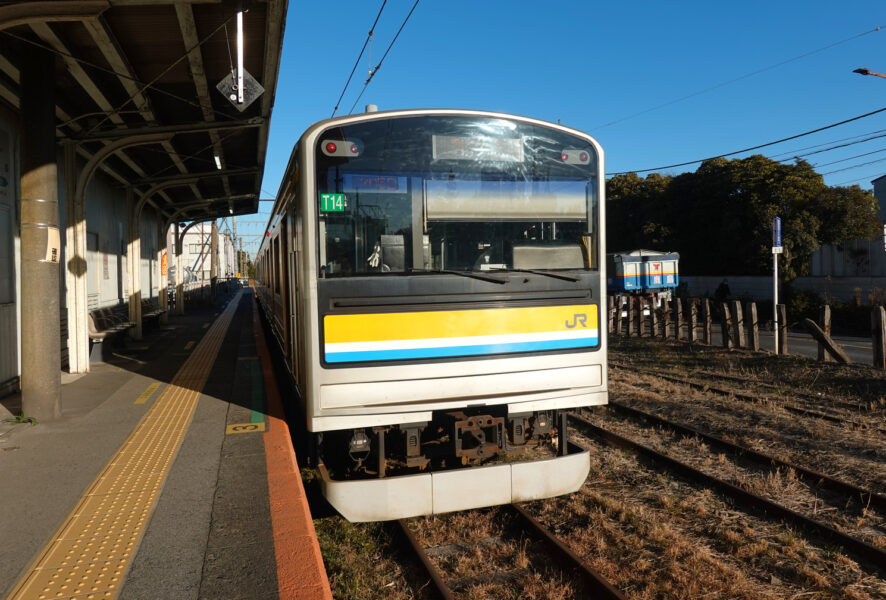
802,396
793,409
862,549
433,572
568,561
866,497
594,582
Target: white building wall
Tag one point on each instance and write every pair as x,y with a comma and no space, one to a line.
106,236
149,269
10,246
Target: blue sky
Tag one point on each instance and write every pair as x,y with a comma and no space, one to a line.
607,69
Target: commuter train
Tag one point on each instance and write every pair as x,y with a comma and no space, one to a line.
434,280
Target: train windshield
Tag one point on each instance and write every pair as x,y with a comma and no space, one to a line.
454,193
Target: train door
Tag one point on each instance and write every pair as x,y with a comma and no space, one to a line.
292,308
285,324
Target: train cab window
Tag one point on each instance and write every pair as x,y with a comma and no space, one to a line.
443,193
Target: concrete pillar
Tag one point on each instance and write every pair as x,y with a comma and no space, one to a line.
40,241
179,275
134,251
213,260
163,260
75,267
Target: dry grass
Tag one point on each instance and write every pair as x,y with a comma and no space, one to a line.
655,536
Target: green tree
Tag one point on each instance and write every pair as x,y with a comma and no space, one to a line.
720,217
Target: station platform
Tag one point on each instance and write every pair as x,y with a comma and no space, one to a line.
171,474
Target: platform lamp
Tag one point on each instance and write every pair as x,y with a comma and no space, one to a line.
868,72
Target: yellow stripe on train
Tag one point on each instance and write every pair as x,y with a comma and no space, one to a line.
457,323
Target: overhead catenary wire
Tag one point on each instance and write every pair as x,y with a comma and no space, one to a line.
373,72
751,148
357,62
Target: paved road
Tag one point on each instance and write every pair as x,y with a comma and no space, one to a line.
858,349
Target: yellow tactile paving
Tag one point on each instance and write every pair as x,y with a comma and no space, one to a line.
90,553
148,393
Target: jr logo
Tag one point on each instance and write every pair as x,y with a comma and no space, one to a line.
576,319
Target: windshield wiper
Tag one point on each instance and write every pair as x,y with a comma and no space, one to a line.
472,274
545,273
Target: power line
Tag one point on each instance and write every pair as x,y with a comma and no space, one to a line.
865,178
850,158
793,137
378,66
828,149
854,137
357,62
725,83
864,164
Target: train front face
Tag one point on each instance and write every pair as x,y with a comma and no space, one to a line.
458,303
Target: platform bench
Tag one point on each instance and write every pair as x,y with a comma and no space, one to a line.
104,323
151,312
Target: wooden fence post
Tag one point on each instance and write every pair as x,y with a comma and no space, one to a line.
738,324
632,316
653,318
826,342
753,327
693,320
825,323
706,319
678,319
644,318
726,325
665,320
878,335
624,314
782,329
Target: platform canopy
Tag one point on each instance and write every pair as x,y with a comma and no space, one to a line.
144,88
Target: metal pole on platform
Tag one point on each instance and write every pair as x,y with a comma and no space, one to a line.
40,240
776,250
213,260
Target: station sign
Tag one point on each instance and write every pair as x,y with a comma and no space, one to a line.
777,248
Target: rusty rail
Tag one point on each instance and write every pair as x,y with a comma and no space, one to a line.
861,549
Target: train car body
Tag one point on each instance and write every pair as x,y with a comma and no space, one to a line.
643,272
433,279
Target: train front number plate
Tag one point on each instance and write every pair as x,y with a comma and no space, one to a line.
332,202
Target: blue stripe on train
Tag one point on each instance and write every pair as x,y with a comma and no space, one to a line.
412,353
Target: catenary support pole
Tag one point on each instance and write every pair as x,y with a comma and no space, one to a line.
40,241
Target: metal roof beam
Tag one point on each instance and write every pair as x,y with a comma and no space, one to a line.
114,54
204,175
188,26
27,13
122,132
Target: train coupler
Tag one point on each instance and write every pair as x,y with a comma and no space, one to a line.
477,437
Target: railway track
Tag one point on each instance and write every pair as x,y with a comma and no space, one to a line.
852,492
589,583
862,550
787,406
